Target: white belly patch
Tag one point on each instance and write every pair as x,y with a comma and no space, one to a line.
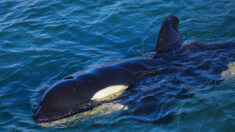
99,111
110,92
230,72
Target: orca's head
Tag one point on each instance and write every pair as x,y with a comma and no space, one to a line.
63,99
75,95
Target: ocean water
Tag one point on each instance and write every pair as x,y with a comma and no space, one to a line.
43,41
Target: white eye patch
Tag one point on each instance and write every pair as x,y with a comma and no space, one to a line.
109,92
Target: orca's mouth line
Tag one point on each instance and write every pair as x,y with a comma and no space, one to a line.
72,111
101,110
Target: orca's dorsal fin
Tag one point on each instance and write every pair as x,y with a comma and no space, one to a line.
168,35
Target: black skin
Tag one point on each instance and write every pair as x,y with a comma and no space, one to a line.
169,34
73,95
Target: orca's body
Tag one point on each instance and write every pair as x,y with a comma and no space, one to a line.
84,92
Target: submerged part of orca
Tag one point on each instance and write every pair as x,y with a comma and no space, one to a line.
82,93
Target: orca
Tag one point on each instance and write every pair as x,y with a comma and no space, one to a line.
81,93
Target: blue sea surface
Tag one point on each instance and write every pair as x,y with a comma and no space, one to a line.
43,41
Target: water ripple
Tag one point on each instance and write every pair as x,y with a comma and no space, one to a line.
43,41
